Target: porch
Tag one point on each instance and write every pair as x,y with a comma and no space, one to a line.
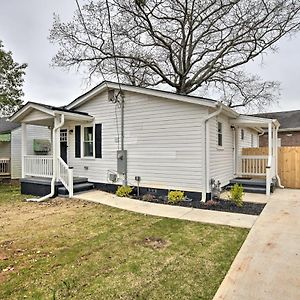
47,173
4,168
256,173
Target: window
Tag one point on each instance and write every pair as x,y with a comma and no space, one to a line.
220,134
252,140
242,134
63,135
88,141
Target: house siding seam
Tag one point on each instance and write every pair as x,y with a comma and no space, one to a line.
164,140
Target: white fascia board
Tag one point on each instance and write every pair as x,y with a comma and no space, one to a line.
17,117
73,116
145,91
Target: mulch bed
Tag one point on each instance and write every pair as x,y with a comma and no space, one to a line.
248,208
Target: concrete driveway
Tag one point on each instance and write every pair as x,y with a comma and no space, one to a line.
268,264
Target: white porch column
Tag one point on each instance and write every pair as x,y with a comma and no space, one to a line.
270,153
54,148
23,147
237,151
274,151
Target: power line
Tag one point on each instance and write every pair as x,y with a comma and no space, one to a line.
113,44
88,35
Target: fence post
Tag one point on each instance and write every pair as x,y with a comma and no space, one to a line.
70,183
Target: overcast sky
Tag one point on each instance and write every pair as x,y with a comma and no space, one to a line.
24,29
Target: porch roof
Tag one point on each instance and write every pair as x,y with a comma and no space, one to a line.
254,122
42,114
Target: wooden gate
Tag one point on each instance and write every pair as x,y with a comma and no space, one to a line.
288,164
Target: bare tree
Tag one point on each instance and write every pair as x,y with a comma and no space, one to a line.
187,44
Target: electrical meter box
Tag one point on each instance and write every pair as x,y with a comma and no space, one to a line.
122,161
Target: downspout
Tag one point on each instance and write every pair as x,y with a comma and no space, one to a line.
276,157
207,146
54,145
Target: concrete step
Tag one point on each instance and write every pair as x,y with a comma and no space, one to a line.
249,182
79,180
251,189
77,188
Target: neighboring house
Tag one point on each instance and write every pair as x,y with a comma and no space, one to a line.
171,142
289,131
10,146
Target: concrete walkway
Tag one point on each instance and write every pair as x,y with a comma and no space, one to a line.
268,264
162,210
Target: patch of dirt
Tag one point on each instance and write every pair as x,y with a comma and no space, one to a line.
155,243
3,256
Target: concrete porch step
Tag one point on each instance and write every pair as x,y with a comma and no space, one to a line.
249,182
251,185
77,188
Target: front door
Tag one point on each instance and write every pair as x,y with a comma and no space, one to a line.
64,145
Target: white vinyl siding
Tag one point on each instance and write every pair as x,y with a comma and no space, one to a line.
246,142
33,132
164,139
5,150
221,158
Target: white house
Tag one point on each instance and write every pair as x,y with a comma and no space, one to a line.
10,146
164,141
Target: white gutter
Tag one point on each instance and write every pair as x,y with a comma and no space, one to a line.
207,144
54,145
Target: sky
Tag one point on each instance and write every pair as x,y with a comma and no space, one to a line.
24,29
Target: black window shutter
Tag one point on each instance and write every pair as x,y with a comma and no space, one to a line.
77,141
98,141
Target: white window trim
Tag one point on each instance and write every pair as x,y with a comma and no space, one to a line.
222,134
82,142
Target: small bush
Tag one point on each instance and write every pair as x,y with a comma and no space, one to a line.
148,197
124,191
237,194
175,196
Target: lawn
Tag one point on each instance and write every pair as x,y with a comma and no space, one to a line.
69,249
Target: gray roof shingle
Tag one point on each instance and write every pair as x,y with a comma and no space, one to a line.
287,119
7,126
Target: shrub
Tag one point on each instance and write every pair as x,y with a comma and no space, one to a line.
149,198
237,194
175,196
124,191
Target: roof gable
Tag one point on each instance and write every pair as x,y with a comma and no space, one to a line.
141,90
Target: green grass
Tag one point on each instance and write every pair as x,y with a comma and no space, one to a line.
68,249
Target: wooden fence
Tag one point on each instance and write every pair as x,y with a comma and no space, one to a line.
288,164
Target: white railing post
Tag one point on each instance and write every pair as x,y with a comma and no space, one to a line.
71,182
253,165
65,175
38,165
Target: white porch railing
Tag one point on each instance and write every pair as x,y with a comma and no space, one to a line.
65,175
253,165
4,166
38,165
